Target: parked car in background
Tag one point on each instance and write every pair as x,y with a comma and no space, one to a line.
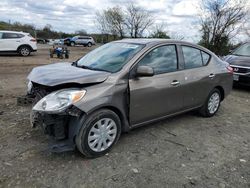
239,60
82,40
20,42
55,42
66,41
42,41
122,85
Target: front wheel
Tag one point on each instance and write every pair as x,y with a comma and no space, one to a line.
98,133
72,44
212,104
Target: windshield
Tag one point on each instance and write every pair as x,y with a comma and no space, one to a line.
110,57
243,50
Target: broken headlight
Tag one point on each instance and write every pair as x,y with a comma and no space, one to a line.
59,100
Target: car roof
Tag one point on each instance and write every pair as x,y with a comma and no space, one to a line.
82,36
6,31
152,40
155,41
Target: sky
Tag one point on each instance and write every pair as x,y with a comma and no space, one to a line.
178,16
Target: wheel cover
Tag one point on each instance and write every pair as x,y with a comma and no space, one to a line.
213,103
102,134
25,51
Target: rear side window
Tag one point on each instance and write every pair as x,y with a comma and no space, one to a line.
12,35
192,57
205,57
162,59
1,34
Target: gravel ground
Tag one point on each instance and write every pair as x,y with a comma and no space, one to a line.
183,151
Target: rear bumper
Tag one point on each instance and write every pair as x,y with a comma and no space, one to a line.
243,79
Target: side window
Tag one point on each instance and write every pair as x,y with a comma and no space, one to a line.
205,57
20,35
162,59
10,36
1,34
192,57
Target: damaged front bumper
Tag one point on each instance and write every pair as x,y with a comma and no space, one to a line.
62,128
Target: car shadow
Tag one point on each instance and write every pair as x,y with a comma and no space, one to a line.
13,54
241,87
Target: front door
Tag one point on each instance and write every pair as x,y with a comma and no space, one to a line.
161,94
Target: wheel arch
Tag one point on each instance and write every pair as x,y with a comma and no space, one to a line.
222,92
22,45
122,115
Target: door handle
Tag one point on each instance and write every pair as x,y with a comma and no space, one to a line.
175,83
18,41
211,75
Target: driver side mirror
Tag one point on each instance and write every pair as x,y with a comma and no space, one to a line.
144,71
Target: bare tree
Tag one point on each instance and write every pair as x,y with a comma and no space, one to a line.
133,21
137,20
177,36
115,20
220,21
102,22
159,31
247,30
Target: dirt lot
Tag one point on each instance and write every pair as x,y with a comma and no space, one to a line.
184,151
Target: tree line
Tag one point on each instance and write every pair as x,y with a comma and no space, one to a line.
220,22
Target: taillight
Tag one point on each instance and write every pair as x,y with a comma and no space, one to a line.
33,40
230,69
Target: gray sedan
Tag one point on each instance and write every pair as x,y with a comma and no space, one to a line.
121,85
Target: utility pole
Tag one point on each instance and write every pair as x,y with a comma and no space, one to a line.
9,25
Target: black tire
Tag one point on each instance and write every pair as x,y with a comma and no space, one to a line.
89,44
72,43
89,123
24,51
204,110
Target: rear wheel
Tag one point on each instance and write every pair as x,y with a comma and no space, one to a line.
98,133
24,51
89,44
212,104
72,44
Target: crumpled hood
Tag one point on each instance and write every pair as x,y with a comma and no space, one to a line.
238,60
62,73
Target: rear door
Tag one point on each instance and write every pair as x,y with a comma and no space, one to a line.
11,41
161,94
198,76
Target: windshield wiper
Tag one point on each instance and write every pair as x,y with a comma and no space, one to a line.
91,68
